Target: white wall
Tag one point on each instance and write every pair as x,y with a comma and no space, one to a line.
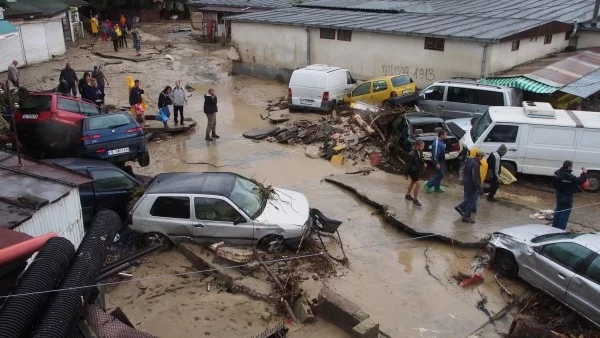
63,216
372,54
271,45
502,57
587,39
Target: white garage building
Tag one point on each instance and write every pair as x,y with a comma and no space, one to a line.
428,40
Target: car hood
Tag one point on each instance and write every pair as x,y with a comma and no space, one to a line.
525,233
464,123
286,207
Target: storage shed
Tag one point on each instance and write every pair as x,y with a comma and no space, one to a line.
37,198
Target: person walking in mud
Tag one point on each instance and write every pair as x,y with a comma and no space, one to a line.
85,80
210,109
414,167
68,74
94,25
164,100
119,35
137,41
566,184
472,187
98,75
438,158
494,161
14,76
114,37
135,101
179,100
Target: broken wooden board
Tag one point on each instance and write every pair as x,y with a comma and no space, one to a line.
153,126
123,57
437,217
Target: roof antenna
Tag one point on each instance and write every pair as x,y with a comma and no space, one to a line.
14,124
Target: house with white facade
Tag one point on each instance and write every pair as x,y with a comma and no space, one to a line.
429,40
38,198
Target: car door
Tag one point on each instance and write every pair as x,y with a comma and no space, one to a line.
87,198
222,220
583,294
507,134
362,93
170,214
431,99
551,267
112,189
460,102
381,92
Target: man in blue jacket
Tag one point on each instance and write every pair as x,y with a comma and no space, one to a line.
438,157
565,184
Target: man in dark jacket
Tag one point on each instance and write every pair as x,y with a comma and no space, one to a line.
494,161
68,74
438,158
472,187
565,184
210,109
135,94
414,167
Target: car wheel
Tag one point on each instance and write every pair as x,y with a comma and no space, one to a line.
153,238
594,178
505,263
511,167
144,159
271,244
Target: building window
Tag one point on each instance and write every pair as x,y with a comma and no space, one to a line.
547,39
327,33
568,35
344,35
515,45
434,44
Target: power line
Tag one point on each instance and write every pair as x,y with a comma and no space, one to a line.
470,228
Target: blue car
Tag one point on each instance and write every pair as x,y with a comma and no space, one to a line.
111,188
113,137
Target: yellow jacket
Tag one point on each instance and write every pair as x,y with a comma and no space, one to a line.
119,33
483,168
94,25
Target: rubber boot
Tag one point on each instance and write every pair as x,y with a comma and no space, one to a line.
208,138
214,135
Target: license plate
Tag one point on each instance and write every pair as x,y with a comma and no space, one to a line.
30,116
308,102
118,151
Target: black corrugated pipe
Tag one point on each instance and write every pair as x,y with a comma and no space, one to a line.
65,306
18,313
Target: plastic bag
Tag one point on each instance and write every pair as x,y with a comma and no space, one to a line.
163,114
585,185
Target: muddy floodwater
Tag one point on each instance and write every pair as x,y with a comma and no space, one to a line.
407,285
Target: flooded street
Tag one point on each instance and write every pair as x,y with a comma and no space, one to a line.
405,284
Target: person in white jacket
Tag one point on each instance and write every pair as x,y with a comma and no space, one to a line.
179,97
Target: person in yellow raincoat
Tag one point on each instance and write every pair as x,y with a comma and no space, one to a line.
119,35
95,25
483,167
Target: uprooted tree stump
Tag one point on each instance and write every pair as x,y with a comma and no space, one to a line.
524,326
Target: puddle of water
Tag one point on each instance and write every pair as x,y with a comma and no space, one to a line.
405,257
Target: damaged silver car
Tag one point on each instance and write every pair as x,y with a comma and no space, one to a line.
564,265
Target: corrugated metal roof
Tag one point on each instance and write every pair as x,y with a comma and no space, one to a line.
372,5
26,188
522,83
584,87
226,9
243,3
444,26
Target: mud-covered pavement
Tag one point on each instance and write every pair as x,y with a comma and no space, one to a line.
406,285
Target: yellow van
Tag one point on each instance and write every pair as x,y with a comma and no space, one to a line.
378,91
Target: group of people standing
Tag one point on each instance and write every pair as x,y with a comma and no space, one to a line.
117,32
475,170
90,86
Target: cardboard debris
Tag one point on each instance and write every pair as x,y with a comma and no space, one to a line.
234,254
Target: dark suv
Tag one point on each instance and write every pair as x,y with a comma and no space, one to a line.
409,128
51,125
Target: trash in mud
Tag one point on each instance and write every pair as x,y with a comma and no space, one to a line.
544,215
473,280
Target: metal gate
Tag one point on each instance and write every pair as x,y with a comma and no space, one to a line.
35,44
55,38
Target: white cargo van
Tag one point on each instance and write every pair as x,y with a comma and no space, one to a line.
539,138
319,87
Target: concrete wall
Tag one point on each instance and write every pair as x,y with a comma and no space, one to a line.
587,39
270,45
502,57
370,55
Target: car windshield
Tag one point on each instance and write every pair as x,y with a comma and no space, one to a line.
246,195
108,121
553,237
36,102
428,128
480,126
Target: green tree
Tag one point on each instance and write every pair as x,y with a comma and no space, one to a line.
3,4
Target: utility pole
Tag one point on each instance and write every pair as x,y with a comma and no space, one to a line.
595,17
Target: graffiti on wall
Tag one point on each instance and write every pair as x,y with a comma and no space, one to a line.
416,73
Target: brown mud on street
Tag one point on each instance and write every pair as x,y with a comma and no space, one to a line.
406,285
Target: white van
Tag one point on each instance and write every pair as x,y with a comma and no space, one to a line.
540,138
319,87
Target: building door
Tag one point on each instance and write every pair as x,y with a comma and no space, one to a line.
35,45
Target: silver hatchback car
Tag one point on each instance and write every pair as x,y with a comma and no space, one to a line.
564,265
